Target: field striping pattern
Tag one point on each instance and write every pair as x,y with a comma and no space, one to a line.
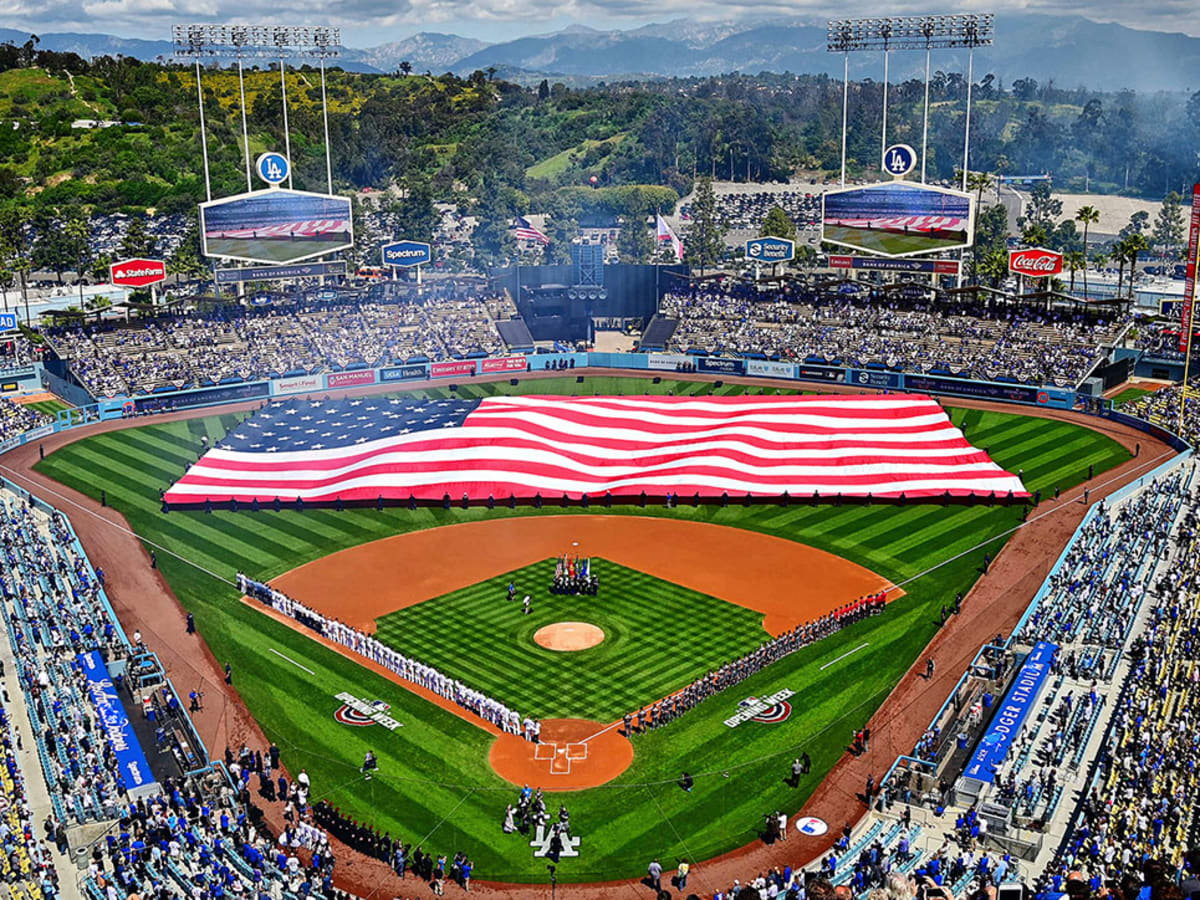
658,637
887,241
438,762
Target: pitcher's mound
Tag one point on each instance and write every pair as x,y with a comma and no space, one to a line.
566,636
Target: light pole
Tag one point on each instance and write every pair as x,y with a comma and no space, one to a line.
926,33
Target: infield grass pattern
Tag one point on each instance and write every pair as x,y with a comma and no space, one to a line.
658,637
435,785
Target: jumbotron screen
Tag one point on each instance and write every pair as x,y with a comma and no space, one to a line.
898,219
276,226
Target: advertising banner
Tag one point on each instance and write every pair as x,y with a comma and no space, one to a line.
1189,281
275,226
667,362
869,378
770,369
770,249
403,373
1001,733
350,379
269,273
820,373
452,367
137,273
203,397
131,761
297,384
875,263
503,364
720,364
898,218
1035,262
935,384
406,253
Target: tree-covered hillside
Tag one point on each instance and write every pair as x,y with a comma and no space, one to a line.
536,148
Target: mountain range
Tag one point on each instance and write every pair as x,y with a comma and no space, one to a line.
1068,50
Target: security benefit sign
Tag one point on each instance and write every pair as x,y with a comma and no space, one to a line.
769,710
770,249
360,713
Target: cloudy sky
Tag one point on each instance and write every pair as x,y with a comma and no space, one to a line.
370,22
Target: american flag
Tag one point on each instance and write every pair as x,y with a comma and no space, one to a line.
527,232
366,448
306,228
900,223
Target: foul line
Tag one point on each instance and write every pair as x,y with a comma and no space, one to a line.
844,655
292,661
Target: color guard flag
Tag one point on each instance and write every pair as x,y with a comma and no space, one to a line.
666,234
366,448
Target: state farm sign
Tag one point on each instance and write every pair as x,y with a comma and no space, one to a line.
1035,262
138,272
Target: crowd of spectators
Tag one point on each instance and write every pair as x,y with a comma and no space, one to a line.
232,343
1141,813
1162,408
412,670
16,418
978,340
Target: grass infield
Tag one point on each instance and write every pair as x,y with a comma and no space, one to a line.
435,786
658,637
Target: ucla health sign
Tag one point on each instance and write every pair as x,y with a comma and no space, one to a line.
407,253
131,761
771,249
1006,723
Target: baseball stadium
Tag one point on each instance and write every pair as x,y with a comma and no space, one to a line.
560,570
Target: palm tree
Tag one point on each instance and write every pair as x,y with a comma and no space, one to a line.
1134,244
1074,261
978,182
1120,249
1088,215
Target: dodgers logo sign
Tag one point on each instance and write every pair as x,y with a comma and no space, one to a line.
899,160
360,713
407,253
769,710
272,167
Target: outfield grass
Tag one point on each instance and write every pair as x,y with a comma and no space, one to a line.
658,637
49,407
874,239
1129,394
435,785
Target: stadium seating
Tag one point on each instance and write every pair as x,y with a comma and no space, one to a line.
1006,343
235,344
16,418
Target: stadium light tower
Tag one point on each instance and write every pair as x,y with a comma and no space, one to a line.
265,41
926,33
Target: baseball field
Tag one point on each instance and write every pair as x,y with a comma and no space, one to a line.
436,786
894,243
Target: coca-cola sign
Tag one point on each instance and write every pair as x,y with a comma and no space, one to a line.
1035,262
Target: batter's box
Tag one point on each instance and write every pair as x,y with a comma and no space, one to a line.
576,751
545,750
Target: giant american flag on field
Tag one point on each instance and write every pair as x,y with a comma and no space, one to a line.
501,447
394,447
